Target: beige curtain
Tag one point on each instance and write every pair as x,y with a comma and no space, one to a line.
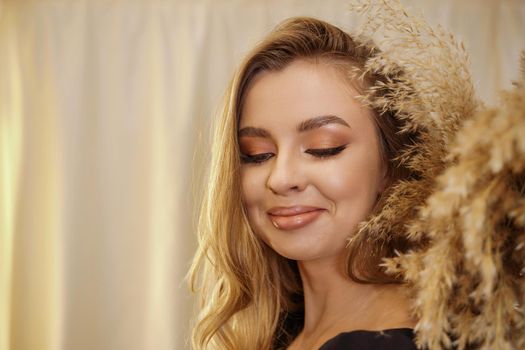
105,109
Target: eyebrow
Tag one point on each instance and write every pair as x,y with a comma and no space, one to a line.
320,121
310,124
253,132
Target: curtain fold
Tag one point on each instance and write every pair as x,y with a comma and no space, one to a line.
10,130
29,188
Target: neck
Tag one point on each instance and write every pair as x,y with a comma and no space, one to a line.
332,300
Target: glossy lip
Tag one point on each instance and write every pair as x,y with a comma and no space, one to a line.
294,217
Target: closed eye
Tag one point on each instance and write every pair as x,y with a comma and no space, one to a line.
316,152
325,152
256,158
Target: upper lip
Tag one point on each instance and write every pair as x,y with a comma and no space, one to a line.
291,211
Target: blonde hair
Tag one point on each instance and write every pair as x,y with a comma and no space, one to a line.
250,296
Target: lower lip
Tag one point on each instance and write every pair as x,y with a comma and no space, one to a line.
295,221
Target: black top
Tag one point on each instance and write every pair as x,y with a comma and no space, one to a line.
388,339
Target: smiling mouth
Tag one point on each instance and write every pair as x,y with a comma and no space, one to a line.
292,218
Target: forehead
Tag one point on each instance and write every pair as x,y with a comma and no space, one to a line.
300,91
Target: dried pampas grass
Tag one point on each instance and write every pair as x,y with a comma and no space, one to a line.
469,281
429,91
463,210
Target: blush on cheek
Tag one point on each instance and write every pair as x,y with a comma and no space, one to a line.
252,187
357,188
340,182
245,187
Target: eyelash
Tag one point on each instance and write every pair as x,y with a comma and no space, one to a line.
326,152
316,152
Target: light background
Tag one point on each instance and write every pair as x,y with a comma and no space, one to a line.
105,109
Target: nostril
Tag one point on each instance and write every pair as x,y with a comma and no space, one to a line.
285,176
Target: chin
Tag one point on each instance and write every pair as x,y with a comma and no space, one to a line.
307,252
305,244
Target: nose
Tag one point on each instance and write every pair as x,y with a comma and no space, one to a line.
286,176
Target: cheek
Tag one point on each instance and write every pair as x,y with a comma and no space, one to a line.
253,196
252,183
354,179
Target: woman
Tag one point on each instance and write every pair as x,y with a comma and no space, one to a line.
300,165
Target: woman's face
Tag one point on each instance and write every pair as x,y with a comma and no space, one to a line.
311,167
